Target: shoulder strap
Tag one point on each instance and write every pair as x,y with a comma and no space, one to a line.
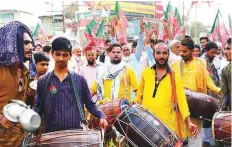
79,106
175,101
41,103
125,83
181,67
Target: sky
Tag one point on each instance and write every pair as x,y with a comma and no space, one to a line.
205,14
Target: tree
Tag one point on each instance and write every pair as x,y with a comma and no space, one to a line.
201,29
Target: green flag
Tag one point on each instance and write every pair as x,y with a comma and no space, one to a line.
100,31
37,30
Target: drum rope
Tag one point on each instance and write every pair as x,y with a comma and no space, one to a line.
139,115
201,117
164,137
221,129
140,133
28,141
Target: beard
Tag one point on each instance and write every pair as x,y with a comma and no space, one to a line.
115,61
165,62
127,58
78,58
91,62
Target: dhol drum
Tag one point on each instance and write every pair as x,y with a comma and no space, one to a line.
112,109
67,138
221,127
141,128
201,106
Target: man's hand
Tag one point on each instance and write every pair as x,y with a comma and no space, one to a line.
149,34
142,25
165,22
6,124
103,123
192,127
111,30
156,32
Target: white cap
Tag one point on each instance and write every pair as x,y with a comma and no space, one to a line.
75,47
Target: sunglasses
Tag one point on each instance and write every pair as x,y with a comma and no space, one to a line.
26,42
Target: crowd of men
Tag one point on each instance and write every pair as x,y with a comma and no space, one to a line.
144,72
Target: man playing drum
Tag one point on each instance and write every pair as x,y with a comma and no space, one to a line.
195,77
62,94
155,92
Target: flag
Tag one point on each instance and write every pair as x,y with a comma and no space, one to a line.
122,24
178,28
218,31
40,35
106,7
174,19
100,39
201,2
170,14
91,45
91,4
230,25
89,29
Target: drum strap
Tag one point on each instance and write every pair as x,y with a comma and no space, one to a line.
181,68
41,103
79,106
125,83
175,102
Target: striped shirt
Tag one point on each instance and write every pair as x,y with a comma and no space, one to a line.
60,106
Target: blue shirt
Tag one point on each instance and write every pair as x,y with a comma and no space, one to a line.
60,105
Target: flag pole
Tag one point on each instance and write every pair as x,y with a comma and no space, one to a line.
183,20
195,28
183,14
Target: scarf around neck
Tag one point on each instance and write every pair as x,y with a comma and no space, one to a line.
110,72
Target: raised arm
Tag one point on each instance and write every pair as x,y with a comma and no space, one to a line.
139,47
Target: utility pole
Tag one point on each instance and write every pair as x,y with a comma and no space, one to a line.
195,29
63,16
183,14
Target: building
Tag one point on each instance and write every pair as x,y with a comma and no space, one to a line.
28,19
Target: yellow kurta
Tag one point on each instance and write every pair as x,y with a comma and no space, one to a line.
189,79
162,104
131,82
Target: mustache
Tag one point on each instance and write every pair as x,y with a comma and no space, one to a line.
28,52
60,62
161,59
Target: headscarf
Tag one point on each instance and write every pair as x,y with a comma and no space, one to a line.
12,43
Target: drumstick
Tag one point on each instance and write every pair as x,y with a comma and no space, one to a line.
103,135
